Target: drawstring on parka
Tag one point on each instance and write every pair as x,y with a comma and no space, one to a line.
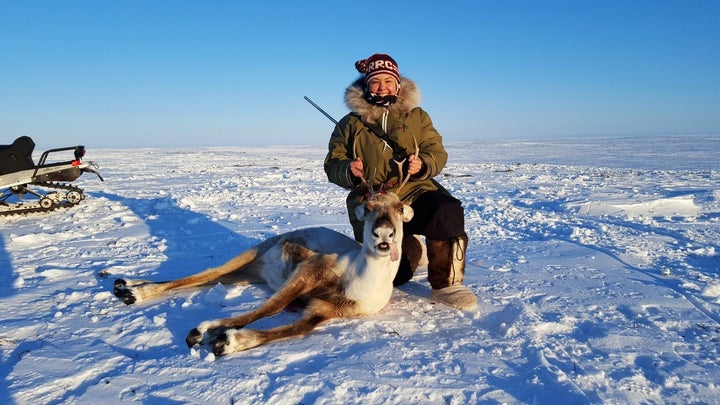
383,125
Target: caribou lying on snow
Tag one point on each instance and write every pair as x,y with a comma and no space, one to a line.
334,274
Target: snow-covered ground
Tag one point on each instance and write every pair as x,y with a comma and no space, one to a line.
596,263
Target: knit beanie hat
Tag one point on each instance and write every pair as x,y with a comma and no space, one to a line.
376,64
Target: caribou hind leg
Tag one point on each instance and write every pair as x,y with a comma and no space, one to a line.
131,291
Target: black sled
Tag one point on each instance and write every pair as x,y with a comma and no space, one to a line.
27,187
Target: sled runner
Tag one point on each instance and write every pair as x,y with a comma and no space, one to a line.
42,184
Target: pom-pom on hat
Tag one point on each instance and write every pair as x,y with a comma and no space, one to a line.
376,64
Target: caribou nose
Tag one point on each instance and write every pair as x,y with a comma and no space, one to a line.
384,232
384,229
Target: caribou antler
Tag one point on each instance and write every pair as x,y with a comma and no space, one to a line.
362,178
400,164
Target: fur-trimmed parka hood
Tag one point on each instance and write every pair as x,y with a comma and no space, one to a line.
408,98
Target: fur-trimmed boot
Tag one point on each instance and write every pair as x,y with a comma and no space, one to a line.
446,269
412,251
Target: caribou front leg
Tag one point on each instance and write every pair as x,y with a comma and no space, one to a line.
209,331
237,340
308,275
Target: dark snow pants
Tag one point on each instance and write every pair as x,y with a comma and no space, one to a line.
441,219
438,216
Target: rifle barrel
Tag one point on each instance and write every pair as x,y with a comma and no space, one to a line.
321,110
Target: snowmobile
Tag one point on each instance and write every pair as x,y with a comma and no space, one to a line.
43,183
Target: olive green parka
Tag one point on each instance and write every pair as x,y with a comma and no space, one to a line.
405,123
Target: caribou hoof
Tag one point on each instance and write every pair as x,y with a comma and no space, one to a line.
220,345
119,283
193,338
121,291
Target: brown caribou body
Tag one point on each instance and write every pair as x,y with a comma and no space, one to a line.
336,276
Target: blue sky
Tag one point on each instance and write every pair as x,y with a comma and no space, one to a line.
144,73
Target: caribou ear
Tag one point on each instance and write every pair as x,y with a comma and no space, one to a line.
407,213
360,212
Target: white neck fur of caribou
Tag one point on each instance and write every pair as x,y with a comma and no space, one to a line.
368,279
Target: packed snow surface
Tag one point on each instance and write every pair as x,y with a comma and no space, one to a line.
596,264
